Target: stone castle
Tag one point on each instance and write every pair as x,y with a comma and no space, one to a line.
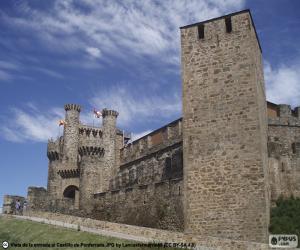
215,172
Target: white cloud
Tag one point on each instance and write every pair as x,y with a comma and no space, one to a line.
31,125
283,83
118,28
94,52
136,105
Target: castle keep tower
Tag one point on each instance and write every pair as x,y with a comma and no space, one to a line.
226,190
71,134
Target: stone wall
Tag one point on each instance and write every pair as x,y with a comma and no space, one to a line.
284,152
9,203
152,142
143,234
90,136
149,189
37,198
157,205
226,190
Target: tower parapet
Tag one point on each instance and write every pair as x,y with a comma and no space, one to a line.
107,112
72,107
53,150
85,150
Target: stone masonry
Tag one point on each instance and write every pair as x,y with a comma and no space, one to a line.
213,173
224,130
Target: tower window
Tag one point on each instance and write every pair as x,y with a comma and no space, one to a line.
201,31
228,24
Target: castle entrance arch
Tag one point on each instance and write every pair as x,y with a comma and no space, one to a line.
72,192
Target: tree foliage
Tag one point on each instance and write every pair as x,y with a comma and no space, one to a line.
285,217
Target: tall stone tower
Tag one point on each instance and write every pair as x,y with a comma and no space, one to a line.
54,156
224,129
71,135
109,144
91,175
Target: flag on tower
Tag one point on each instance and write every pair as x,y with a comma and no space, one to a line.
61,123
97,113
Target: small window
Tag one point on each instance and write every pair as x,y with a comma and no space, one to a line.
228,24
294,148
201,31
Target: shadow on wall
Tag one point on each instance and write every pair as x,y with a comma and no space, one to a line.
156,212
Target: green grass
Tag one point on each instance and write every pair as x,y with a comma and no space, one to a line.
20,231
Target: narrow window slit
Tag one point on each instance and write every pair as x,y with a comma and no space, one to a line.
228,24
201,31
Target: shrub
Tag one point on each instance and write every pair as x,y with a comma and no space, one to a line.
285,217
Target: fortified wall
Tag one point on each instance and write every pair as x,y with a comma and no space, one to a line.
284,150
214,172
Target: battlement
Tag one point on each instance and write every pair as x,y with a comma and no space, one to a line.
215,28
54,149
89,150
162,137
106,112
283,115
53,155
54,145
90,131
73,107
69,173
153,186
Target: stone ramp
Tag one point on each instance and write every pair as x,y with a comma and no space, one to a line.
83,228
140,234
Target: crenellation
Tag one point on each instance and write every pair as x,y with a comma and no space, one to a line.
156,140
75,107
85,150
285,111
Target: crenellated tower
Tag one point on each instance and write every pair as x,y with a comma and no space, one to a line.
54,155
109,144
71,135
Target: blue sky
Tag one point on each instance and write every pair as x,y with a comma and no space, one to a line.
123,55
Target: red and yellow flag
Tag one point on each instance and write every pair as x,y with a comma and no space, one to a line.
61,123
97,113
